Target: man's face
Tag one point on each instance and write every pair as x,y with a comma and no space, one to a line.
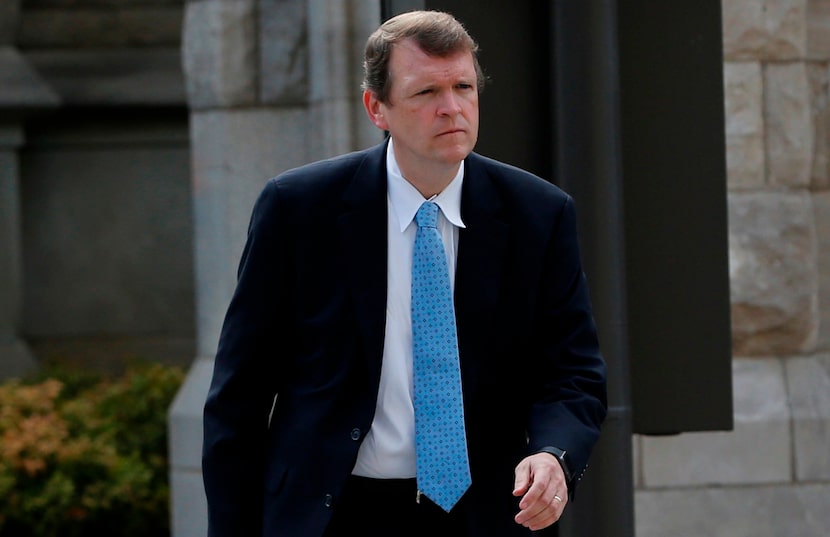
432,108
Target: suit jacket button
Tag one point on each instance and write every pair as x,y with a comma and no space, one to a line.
328,501
355,434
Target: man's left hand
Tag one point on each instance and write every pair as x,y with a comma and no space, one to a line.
541,482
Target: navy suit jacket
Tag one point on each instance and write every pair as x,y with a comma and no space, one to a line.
306,326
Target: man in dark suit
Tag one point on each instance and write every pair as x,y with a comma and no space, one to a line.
310,420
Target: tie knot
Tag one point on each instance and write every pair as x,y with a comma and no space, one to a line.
427,215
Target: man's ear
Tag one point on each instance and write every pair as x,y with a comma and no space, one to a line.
374,109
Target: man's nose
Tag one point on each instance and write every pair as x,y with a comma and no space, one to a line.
448,104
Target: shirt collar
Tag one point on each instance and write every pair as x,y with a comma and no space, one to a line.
406,200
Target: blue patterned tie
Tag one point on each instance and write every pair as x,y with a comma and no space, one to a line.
443,470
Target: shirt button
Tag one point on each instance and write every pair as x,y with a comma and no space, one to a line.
355,434
328,501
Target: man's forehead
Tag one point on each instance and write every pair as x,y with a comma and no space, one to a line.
411,45
412,60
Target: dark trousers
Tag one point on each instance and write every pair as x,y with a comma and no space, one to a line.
388,507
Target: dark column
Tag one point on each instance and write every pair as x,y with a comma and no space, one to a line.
587,157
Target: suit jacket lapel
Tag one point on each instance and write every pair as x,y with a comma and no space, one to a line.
482,248
362,230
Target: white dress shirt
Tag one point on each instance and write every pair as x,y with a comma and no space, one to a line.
388,451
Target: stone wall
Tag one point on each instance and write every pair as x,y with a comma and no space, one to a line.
99,23
95,220
106,52
771,475
22,91
107,238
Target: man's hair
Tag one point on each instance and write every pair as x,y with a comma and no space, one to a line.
436,33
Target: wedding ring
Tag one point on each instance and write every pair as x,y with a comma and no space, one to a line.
558,499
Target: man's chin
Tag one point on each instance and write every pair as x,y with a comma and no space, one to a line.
457,152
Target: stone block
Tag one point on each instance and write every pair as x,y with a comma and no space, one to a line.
115,76
114,353
336,121
16,359
10,254
220,53
818,77
744,31
188,504
773,273
11,138
100,3
808,380
636,456
756,451
21,86
743,89
333,74
284,56
788,124
759,391
100,27
234,152
9,13
818,29
188,501
365,15
337,36
107,230
821,208
185,417
764,511
764,29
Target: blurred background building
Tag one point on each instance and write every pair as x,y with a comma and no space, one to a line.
135,134
96,264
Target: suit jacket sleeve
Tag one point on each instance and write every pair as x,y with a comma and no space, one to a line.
571,405
245,377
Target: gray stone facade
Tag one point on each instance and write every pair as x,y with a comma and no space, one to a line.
769,476
96,267
22,92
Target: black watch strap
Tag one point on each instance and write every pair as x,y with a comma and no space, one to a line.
561,456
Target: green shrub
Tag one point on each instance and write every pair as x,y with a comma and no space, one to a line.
84,455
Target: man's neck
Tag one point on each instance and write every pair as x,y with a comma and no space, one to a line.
429,180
